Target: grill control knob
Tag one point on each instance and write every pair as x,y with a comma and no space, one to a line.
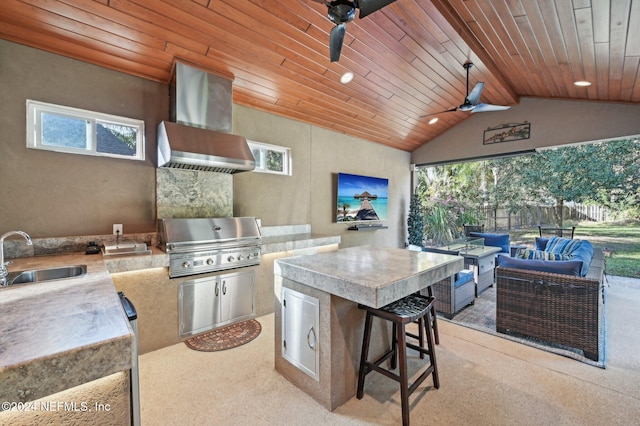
230,259
209,261
186,265
249,256
241,257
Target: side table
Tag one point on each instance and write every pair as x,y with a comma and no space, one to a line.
482,261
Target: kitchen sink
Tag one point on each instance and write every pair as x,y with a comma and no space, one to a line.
130,249
51,274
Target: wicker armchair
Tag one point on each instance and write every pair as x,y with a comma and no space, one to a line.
562,309
455,292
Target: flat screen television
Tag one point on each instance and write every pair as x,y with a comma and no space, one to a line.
361,198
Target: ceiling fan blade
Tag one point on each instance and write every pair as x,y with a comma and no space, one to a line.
474,96
335,41
489,108
441,112
367,7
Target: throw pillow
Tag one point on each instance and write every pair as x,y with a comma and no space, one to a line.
540,255
541,243
562,245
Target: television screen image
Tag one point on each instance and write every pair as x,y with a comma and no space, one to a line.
361,198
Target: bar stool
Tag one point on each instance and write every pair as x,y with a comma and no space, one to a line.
434,321
414,307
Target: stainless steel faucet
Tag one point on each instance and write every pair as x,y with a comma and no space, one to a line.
3,269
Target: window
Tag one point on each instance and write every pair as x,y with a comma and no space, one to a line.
76,131
271,158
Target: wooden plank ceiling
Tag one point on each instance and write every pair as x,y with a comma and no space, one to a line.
407,57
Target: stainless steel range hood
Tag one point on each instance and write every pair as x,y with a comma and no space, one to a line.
198,136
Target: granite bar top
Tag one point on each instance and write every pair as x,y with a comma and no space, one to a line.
59,334
373,276
287,242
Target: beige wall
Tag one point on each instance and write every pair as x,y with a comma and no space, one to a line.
50,194
309,196
553,122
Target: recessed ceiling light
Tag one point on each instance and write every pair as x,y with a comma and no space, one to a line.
582,83
433,120
346,77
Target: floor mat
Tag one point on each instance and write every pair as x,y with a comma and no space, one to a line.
226,337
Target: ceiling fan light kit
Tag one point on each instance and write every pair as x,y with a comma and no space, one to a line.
340,12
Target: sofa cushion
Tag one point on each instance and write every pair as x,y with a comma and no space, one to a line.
463,277
523,253
584,253
562,245
566,267
541,243
494,240
577,249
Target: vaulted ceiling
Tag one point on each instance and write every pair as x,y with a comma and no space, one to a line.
406,58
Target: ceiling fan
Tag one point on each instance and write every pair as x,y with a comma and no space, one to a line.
471,103
343,11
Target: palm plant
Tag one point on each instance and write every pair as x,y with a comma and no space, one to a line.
439,225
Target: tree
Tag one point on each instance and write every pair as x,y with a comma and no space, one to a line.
585,173
603,173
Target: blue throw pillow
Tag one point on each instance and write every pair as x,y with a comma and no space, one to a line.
566,267
562,245
584,253
494,240
541,243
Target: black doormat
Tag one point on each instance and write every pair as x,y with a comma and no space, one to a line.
481,316
228,337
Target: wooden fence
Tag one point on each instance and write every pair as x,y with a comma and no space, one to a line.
531,216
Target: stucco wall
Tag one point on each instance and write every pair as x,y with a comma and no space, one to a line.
309,196
553,122
50,194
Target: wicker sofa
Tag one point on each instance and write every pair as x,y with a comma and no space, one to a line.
555,307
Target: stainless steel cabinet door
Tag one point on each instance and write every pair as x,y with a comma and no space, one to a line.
300,334
211,302
199,306
237,297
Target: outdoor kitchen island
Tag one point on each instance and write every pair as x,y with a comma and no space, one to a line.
318,326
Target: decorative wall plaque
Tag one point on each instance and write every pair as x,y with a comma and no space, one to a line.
507,133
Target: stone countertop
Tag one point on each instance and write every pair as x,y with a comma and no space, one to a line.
59,334
157,259
287,242
373,276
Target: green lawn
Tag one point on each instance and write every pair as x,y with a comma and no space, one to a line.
620,242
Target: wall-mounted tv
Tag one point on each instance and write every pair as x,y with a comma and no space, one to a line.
361,198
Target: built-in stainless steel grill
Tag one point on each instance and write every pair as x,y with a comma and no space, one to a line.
197,246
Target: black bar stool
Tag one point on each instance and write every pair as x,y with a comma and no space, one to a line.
434,321
414,307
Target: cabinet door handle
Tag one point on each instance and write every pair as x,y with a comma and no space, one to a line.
217,289
224,287
311,342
